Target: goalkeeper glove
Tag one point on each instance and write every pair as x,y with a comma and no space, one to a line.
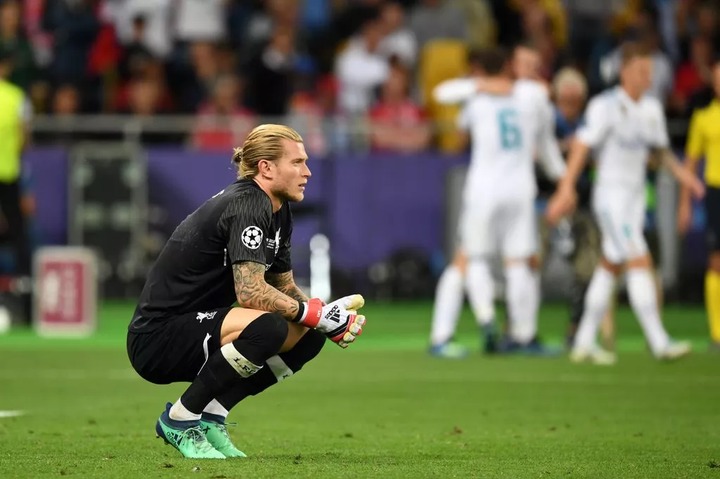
338,320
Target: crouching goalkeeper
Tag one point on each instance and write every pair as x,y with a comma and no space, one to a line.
235,247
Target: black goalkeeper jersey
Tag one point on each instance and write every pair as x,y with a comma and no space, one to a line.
194,270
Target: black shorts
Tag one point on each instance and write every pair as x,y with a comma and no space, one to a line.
178,349
712,210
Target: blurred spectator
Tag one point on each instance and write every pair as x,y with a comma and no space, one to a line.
481,23
40,40
588,22
570,91
199,20
697,18
66,101
436,19
156,35
307,113
192,84
14,42
277,15
544,17
270,75
65,105
692,75
398,40
361,68
145,97
349,19
397,123
222,121
136,55
646,34
74,26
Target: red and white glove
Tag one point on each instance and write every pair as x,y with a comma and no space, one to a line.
338,320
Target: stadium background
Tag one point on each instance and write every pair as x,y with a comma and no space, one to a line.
147,98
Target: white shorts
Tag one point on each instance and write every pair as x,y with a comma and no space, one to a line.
504,225
621,217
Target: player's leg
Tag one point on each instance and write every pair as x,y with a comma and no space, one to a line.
519,246
642,291
302,346
712,276
479,239
446,309
642,284
602,283
597,302
247,339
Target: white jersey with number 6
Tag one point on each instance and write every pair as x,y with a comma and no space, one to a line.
506,133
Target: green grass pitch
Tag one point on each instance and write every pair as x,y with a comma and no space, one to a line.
381,409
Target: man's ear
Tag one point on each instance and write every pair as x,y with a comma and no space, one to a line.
265,168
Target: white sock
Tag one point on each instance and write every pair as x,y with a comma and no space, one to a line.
643,299
522,301
448,301
597,301
214,407
178,412
534,300
481,291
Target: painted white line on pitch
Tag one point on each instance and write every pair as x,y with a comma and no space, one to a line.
11,413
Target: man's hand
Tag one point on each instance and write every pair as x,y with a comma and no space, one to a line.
338,320
561,203
684,216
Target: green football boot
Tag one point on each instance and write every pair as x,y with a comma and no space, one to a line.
216,432
186,436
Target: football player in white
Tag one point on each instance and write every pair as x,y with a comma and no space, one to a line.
507,128
624,127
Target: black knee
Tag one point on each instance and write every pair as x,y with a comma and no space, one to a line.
263,337
304,351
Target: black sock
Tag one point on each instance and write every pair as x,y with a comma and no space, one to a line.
244,357
305,350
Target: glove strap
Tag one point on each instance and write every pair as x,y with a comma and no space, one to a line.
312,313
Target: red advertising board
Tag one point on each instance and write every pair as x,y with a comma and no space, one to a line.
65,291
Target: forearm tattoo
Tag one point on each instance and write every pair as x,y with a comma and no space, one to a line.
285,283
252,291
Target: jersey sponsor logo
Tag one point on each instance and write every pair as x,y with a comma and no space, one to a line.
274,243
252,237
209,315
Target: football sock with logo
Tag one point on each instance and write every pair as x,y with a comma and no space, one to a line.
481,291
712,302
446,309
276,369
242,358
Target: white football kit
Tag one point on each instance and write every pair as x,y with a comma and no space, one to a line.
498,201
622,132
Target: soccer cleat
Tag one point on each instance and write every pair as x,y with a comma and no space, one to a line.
594,355
185,436
537,348
489,338
449,351
674,350
217,435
